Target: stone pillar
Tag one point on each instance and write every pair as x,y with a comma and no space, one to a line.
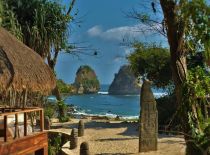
84,149
46,123
148,119
81,128
73,139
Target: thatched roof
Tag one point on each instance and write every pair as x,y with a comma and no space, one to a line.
21,67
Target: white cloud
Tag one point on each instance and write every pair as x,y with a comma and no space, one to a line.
95,31
128,51
119,58
118,33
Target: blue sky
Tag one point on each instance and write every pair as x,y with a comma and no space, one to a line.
104,25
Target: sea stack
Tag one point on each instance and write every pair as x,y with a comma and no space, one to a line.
86,81
124,83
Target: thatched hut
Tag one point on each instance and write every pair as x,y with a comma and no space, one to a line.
22,71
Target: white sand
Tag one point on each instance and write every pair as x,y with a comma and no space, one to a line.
117,138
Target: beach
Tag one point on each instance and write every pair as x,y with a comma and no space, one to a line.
118,138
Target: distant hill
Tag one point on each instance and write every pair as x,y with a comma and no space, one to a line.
124,83
86,81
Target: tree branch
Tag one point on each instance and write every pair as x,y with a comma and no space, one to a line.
71,7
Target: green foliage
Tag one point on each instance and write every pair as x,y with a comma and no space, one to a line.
151,61
56,110
62,108
198,83
195,59
166,109
1,12
44,24
194,105
8,20
54,147
63,87
49,110
88,83
196,16
64,119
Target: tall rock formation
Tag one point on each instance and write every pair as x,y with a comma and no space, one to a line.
124,83
86,81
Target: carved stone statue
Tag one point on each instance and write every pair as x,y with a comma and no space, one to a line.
148,119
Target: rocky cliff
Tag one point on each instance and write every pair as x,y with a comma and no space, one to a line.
124,83
86,81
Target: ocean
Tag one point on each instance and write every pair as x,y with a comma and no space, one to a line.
103,104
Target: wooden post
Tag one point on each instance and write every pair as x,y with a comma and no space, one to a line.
25,124
14,98
10,97
81,128
25,92
47,123
41,120
73,138
16,126
5,128
43,151
84,149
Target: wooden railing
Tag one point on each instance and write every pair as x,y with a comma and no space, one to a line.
5,112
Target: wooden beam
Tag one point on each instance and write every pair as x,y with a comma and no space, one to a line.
41,120
16,126
25,123
25,94
5,128
21,111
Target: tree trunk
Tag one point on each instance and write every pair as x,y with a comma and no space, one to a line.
56,92
175,33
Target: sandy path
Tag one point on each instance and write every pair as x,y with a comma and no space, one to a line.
121,139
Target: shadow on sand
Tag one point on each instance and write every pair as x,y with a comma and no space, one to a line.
115,139
131,128
114,153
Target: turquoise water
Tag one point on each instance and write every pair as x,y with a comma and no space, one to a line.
108,105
